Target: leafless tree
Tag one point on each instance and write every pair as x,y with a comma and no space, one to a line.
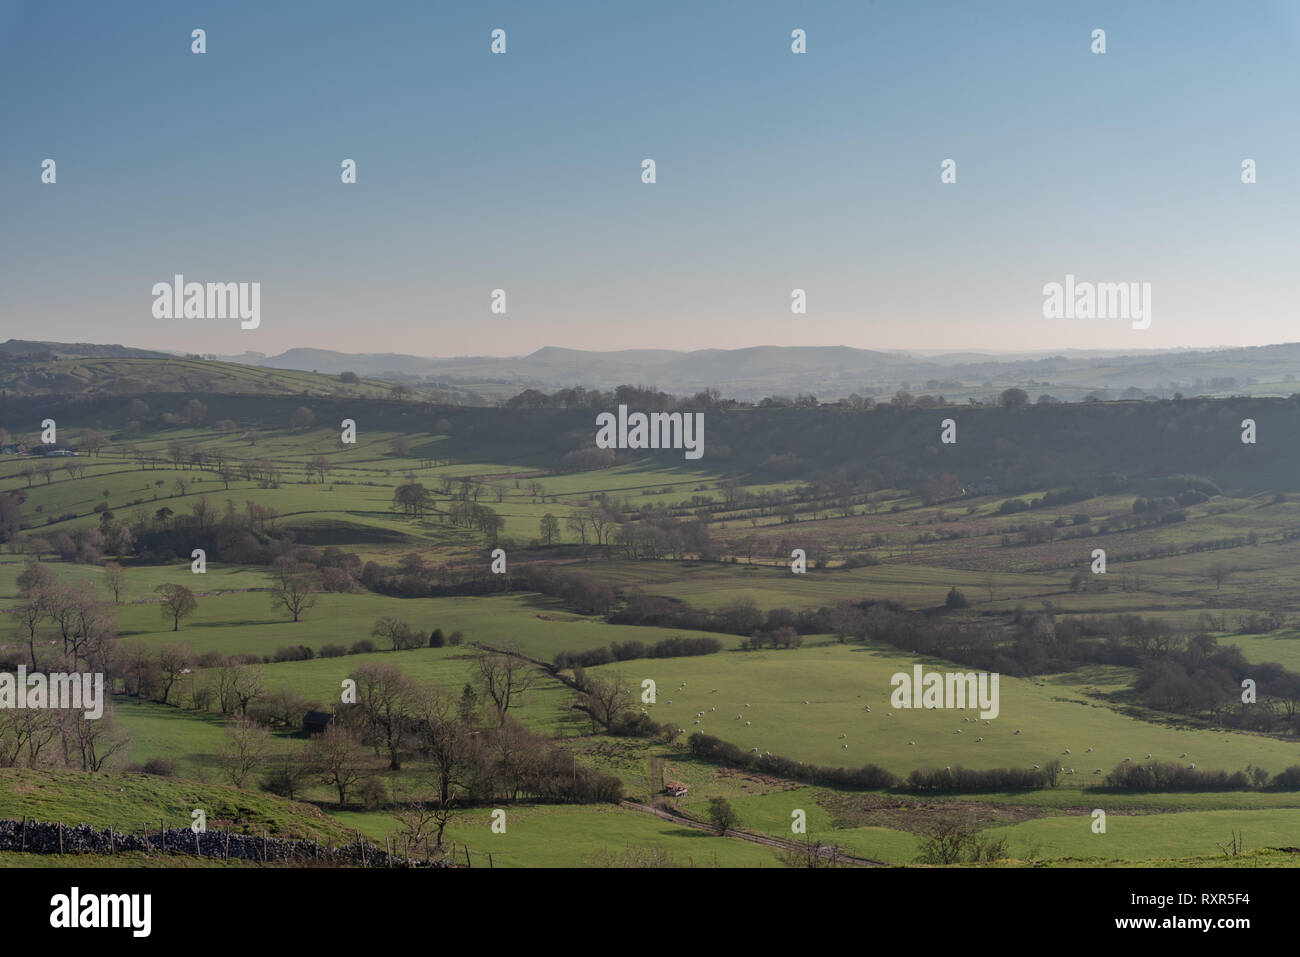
244,751
503,678
115,580
337,759
386,698
294,587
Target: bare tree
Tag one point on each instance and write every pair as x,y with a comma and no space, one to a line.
393,630
246,747
1219,574
337,759
173,661
97,741
605,700
386,700
246,686
294,587
177,602
115,580
450,746
28,615
503,678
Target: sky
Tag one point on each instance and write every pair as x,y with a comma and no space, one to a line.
523,172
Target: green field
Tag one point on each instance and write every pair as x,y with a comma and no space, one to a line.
808,704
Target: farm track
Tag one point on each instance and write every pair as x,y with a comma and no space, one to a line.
753,838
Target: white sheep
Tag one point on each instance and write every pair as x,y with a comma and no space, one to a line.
748,723
911,742
978,740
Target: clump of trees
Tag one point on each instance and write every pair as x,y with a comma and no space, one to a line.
674,647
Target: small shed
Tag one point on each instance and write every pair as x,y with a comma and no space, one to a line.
315,722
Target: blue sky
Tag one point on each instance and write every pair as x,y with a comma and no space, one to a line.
775,172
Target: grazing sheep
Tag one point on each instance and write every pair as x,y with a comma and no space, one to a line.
868,709
1183,755
1017,730
1097,771
1148,757
965,719
1126,760
670,700
846,747
699,714
889,714
746,704
1089,751
1035,767
697,720
714,708
843,735
748,723
1067,750
911,742
978,740
1191,767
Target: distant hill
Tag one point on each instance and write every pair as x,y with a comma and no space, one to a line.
29,346
22,375
829,373
836,371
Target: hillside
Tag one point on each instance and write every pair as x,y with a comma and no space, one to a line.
136,375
